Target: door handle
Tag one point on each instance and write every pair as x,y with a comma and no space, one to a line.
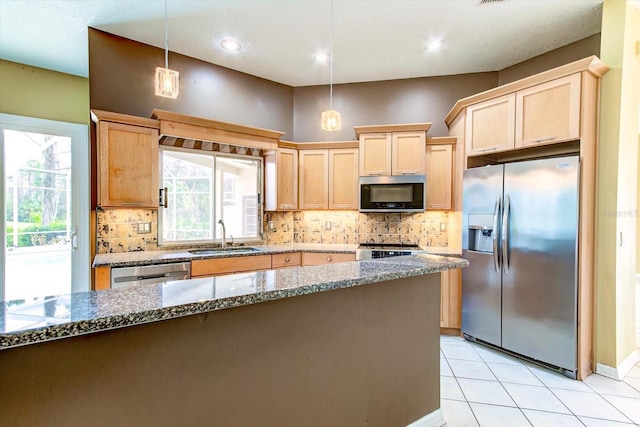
496,218
506,212
74,238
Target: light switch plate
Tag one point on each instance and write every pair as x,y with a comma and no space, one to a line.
144,227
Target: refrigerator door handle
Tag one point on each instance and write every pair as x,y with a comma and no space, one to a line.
496,218
506,211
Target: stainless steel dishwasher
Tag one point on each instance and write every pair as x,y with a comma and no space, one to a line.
148,274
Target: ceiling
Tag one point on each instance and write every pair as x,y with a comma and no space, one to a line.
372,39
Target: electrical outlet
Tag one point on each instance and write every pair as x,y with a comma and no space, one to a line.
144,227
443,226
271,225
327,225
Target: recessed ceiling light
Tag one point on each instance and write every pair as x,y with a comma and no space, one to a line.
230,45
322,57
435,44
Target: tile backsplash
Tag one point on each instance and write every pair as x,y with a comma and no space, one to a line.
116,228
422,228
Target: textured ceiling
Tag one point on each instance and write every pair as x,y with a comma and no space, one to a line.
373,39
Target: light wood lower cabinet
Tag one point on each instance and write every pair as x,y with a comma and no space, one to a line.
319,258
451,299
220,266
293,259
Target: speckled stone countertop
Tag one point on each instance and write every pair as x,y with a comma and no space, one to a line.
49,318
128,259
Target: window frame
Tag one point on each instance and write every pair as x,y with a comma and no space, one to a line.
215,198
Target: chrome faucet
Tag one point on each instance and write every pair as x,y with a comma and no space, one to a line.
224,234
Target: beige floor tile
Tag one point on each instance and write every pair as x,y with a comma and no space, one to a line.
589,405
548,419
537,398
458,414
492,416
480,391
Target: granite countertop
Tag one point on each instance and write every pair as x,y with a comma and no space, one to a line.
49,318
129,259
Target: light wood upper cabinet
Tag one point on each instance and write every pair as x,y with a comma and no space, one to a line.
329,178
407,153
343,178
392,149
281,179
490,125
439,171
548,113
127,162
375,154
314,179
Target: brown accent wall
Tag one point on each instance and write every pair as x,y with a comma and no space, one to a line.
555,58
122,73
366,355
427,99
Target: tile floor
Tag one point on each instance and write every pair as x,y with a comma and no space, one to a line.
483,387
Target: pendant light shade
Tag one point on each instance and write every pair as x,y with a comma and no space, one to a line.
331,118
167,81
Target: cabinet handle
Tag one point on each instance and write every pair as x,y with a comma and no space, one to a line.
328,259
131,203
549,138
374,173
437,206
286,259
164,197
487,149
409,172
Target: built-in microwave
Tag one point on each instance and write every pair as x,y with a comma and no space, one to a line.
402,193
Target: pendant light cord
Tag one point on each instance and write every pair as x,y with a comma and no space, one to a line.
166,37
331,59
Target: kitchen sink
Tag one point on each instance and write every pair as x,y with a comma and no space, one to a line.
220,251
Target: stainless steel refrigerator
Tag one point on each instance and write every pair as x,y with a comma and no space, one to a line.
520,235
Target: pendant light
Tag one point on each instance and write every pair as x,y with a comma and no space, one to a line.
331,118
167,81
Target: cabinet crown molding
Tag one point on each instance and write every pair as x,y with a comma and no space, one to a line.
591,64
408,127
100,115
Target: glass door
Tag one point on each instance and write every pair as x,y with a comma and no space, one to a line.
45,208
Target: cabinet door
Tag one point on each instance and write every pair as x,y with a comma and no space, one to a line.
490,125
292,259
375,154
407,153
314,179
343,178
220,266
451,299
287,184
127,165
319,258
548,113
439,176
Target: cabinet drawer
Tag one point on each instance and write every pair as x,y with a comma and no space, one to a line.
318,258
215,267
286,260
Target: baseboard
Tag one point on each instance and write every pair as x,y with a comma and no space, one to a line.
622,369
450,331
433,419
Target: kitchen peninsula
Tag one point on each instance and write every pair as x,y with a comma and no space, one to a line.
354,343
